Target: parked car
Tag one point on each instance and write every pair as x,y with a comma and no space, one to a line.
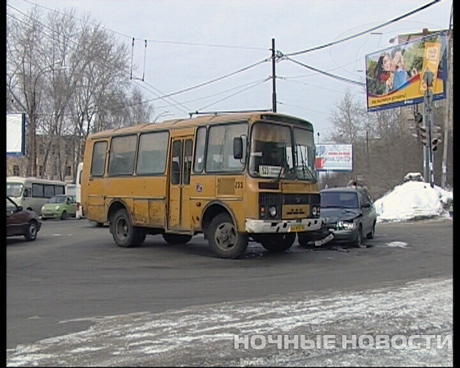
60,206
347,213
20,221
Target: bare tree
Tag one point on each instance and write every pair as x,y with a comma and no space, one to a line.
71,79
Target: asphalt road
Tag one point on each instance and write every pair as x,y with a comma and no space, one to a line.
74,274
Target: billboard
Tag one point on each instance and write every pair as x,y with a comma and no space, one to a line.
395,76
334,157
15,134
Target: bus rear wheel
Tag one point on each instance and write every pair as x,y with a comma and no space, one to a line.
123,231
278,242
224,239
176,238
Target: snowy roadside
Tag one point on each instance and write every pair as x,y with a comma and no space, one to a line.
413,201
254,333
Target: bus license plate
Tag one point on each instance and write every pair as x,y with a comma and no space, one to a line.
295,228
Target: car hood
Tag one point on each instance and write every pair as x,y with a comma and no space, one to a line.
332,215
51,205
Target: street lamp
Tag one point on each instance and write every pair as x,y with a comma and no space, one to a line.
164,113
33,125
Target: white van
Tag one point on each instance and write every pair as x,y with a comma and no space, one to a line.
80,213
33,193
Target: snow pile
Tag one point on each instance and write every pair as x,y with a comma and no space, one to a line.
413,200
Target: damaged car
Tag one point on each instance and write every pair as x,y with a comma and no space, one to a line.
348,215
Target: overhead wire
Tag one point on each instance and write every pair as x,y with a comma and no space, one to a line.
329,44
343,79
164,95
152,40
236,93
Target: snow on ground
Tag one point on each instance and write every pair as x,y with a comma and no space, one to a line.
212,335
413,200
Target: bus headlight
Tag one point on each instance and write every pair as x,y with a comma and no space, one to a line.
314,211
272,211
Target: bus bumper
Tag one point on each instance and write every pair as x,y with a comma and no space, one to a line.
282,226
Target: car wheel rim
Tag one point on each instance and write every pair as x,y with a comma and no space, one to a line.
32,231
122,229
226,236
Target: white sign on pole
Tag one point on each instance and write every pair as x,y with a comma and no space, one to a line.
15,134
334,157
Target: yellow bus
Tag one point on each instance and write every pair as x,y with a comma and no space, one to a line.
232,177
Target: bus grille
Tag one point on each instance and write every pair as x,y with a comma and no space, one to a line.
266,199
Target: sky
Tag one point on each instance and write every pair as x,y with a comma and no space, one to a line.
193,42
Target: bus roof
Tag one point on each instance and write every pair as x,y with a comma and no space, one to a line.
202,120
20,179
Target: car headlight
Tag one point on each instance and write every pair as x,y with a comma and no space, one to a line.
56,208
342,225
272,211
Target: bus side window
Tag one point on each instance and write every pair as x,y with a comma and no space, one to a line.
199,150
187,160
26,192
176,162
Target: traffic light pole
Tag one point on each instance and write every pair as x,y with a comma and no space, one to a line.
428,107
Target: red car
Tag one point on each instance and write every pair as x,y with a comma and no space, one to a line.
21,222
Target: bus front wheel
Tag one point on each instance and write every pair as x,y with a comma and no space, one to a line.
224,239
123,231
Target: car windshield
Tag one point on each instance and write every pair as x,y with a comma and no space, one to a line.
57,199
339,200
10,206
14,189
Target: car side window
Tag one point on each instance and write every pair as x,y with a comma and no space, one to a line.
363,200
368,196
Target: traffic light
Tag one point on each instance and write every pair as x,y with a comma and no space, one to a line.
418,118
436,137
434,144
423,133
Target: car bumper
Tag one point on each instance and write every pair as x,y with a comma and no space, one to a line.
282,226
49,215
345,236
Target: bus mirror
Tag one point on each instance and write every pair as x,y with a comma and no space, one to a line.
238,148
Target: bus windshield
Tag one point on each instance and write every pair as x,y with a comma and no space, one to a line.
14,189
271,153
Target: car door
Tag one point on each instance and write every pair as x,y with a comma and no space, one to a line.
373,212
15,219
72,207
366,209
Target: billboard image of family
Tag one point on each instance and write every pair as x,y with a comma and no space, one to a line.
395,76
334,157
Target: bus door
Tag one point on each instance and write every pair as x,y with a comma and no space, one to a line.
179,183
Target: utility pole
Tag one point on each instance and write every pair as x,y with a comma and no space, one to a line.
428,107
447,111
273,76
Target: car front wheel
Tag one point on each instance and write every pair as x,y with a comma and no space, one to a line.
372,233
278,242
359,238
32,231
